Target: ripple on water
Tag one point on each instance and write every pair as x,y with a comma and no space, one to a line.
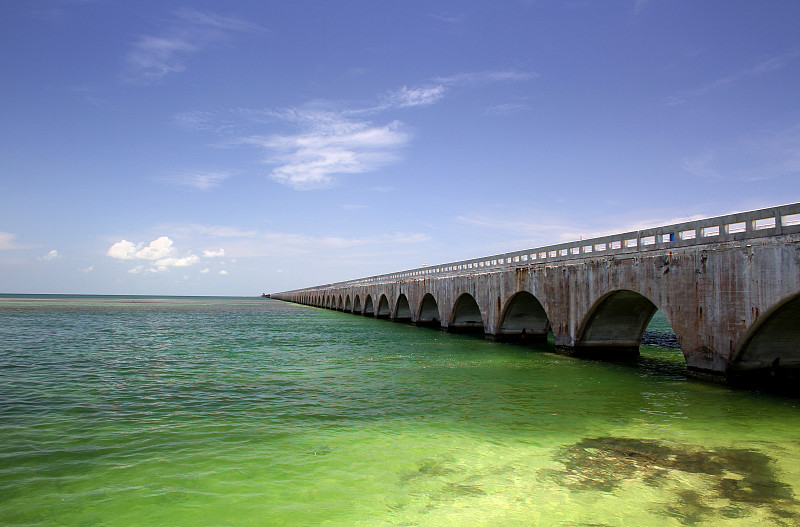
210,412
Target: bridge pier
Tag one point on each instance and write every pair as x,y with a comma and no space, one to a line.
729,287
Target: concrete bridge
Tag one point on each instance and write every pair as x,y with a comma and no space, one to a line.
729,286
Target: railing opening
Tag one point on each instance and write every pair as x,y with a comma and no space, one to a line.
764,223
733,228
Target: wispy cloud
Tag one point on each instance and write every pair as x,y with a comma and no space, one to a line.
433,91
505,109
210,231
343,142
486,77
543,229
764,155
7,241
760,67
299,243
329,145
289,244
328,140
419,96
449,18
551,230
198,180
156,56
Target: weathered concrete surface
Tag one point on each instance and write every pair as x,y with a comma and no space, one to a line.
734,304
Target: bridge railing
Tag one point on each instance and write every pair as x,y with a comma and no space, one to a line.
740,226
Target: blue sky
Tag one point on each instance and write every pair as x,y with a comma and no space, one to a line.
240,147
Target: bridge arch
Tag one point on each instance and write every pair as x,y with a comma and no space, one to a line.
357,304
428,314
402,311
348,306
466,316
340,303
383,307
523,319
769,347
369,308
615,324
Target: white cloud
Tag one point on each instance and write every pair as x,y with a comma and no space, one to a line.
88,269
51,255
223,272
122,250
204,271
155,56
331,145
157,249
186,261
214,254
7,241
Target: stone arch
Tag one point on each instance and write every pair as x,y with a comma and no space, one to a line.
383,307
348,306
615,324
340,303
369,309
402,311
466,317
357,305
771,345
523,320
428,314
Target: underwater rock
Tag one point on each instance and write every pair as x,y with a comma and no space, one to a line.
738,479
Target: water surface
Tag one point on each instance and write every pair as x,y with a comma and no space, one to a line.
209,411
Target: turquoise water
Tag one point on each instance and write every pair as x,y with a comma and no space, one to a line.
204,411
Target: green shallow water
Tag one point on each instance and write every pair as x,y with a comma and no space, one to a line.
181,411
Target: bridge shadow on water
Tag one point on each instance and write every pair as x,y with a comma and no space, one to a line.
659,356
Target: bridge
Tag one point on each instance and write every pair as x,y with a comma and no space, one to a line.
729,287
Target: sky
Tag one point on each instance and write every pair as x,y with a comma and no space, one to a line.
241,147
